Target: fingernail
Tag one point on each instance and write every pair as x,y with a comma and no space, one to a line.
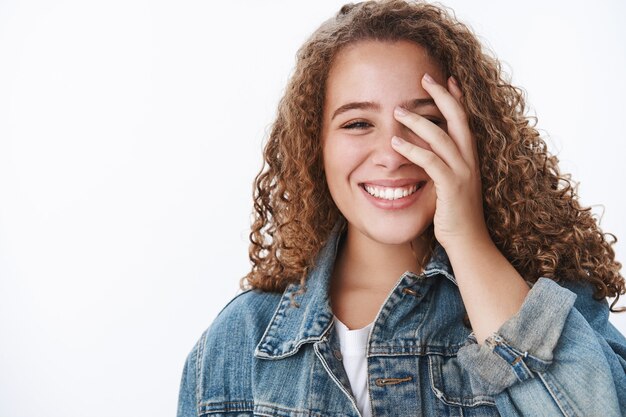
396,141
428,78
400,111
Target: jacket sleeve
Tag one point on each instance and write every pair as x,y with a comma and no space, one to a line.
187,396
558,356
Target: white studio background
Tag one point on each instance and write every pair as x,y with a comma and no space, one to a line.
130,133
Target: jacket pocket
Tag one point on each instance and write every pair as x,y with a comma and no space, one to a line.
451,384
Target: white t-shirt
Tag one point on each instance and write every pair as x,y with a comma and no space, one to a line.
353,350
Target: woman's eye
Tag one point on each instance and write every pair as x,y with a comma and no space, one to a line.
436,121
360,124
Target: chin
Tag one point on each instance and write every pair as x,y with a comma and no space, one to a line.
391,234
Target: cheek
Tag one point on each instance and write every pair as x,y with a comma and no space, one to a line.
341,157
431,199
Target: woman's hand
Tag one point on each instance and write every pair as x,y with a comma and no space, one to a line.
452,165
491,288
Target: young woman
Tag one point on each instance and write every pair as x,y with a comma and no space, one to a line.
416,251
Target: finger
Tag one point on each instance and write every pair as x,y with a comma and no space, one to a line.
436,137
455,90
452,110
429,161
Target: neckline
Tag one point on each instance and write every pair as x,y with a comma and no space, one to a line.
346,329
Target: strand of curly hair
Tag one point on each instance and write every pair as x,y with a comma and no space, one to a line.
531,210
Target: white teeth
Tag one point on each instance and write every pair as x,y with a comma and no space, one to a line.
391,193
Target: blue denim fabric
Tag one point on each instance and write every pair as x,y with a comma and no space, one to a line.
262,356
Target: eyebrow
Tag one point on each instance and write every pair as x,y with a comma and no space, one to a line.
370,105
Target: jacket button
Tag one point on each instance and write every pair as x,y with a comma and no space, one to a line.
337,354
412,292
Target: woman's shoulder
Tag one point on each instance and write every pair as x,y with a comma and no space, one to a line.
243,319
238,327
221,361
250,309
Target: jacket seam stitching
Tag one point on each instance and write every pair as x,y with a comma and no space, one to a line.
199,359
554,395
279,310
287,409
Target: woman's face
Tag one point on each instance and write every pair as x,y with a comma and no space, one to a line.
366,82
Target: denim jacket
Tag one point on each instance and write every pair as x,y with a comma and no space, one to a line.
262,356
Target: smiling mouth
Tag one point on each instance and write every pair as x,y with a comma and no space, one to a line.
392,193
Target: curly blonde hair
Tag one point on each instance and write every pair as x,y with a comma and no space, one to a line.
531,209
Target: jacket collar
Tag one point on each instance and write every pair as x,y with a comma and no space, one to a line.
293,326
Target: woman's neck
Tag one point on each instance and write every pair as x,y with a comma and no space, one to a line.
365,271
366,264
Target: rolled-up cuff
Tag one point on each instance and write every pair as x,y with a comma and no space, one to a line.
524,344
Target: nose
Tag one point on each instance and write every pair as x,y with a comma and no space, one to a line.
383,153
